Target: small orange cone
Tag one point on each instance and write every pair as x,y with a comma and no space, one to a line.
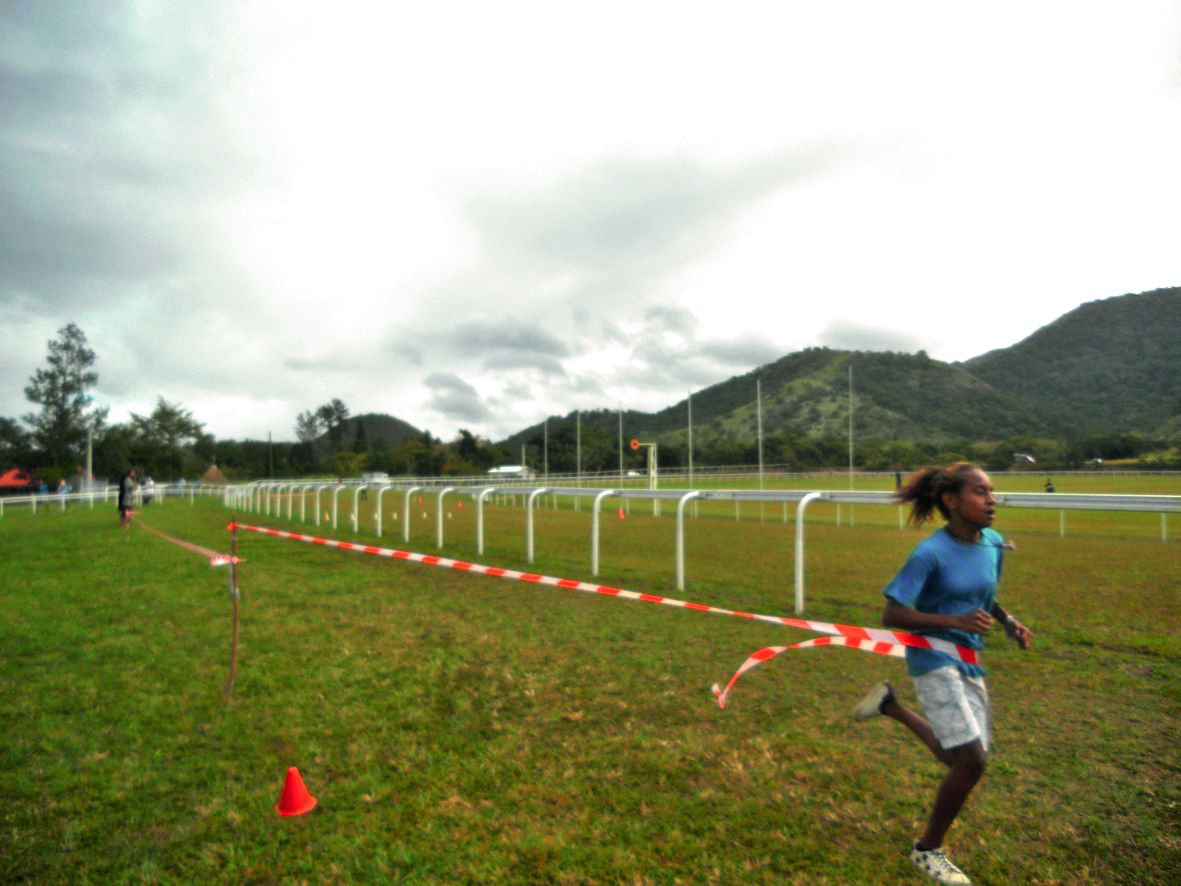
295,800
621,516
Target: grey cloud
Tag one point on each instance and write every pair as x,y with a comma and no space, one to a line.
541,363
747,352
849,335
518,392
454,398
671,319
112,149
607,236
634,211
502,335
316,364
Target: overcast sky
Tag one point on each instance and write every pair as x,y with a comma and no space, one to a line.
474,214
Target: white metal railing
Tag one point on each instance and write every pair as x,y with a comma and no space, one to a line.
1162,504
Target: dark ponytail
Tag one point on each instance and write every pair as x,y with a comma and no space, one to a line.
925,487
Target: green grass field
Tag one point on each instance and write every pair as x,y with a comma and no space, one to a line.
458,728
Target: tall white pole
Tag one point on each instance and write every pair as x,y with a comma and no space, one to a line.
690,401
620,444
759,415
578,445
850,423
545,450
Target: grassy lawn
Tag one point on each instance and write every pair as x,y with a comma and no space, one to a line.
459,728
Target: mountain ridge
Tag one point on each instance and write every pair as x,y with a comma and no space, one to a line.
1109,366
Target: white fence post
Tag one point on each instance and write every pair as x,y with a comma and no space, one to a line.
357,507
529,522
598,507
406,522
377,509
804,502
439,516
480,499
681,537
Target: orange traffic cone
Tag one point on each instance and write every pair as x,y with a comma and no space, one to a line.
295,800
621,515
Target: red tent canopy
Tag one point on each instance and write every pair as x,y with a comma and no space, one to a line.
15,478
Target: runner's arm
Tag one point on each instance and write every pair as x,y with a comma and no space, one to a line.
1013,628
908,618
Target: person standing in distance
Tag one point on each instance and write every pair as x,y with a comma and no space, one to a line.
126,494
947,589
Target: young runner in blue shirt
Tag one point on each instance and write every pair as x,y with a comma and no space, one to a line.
947,589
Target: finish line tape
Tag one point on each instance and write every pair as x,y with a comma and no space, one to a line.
769,652
876,640
215,558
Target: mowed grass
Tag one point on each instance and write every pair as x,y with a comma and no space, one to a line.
458,728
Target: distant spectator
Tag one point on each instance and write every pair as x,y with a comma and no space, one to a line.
1049,485
127,487
149,490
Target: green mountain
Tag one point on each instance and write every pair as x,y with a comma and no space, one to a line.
1108,366
895,397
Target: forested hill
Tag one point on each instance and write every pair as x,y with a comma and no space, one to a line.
895,397
362,432
1108,366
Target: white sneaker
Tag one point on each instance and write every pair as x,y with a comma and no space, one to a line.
936,865
871,706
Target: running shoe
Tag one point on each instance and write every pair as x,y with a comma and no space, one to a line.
936,865
871,706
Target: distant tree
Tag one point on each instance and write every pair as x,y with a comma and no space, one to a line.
469,448
333,414
15,445
308,426
157,439
349,464
60,389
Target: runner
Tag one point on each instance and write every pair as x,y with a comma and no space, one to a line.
947,589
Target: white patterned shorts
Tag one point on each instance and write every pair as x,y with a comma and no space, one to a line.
956,707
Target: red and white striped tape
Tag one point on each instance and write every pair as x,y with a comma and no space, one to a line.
769,652
876,640
215,558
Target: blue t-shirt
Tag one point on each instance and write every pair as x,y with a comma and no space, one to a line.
946,576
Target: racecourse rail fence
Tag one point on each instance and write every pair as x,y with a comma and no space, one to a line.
269,497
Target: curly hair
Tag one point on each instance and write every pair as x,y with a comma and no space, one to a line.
925,487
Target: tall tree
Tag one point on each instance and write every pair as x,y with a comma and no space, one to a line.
308,426
333,414
60,389
14,444
158,438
